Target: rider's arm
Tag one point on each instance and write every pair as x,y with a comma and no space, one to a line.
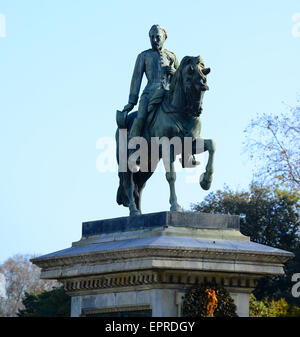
173,65
137,79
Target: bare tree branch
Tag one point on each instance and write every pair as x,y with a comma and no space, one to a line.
20,275
273,142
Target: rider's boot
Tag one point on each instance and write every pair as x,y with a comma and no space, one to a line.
136,129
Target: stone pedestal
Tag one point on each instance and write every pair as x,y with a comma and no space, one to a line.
143,265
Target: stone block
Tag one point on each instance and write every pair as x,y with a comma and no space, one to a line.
161,219
126,298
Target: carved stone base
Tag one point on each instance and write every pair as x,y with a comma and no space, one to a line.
143,265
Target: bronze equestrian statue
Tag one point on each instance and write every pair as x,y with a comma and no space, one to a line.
169,108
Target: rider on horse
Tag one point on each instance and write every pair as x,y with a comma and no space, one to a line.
159,65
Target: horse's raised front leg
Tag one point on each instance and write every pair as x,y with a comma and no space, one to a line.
206,177
129,188
171,177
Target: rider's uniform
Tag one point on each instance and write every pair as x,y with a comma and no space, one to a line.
152,63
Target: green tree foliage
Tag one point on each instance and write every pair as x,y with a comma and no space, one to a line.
272,308
53,303
269,216
258,308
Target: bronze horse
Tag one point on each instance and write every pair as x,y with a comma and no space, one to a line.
173,113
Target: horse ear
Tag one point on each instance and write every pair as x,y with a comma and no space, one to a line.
206,71
199,60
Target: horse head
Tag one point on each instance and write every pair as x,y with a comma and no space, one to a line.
189,84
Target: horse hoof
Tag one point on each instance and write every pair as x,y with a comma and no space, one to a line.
176,208
133,168
205,182
136,212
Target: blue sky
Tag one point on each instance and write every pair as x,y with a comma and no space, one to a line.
65,68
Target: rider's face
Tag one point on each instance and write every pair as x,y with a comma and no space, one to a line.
157,39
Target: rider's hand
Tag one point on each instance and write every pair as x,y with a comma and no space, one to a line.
170,70
128,107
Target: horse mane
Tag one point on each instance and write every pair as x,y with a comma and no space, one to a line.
177,78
